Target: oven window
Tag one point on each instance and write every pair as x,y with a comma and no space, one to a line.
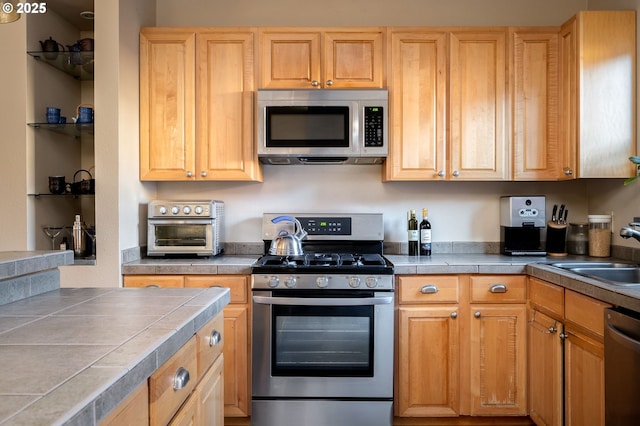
182,235
322,341
308,127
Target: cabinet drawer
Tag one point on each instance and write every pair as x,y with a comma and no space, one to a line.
210,343
153,281
164,398
499,288
585,312
429,289
237,284
547,297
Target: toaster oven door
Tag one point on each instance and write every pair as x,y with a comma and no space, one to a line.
177,236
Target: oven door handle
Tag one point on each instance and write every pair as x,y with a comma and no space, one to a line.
311,301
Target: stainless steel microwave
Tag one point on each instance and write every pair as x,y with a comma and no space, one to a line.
322,126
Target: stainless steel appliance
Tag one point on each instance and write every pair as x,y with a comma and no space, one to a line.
622,367
314,126
521,220
185,228
323,326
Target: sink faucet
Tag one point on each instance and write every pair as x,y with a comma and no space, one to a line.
631,231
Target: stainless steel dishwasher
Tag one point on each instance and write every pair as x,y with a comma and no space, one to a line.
622,367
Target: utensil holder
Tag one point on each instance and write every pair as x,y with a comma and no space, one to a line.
556,239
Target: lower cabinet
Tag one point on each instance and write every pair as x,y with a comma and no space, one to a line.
566,356
237,320
461,345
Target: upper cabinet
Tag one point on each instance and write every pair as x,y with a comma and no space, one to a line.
597,98
197,135
476,147
304,58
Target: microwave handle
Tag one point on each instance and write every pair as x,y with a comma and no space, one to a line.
310,301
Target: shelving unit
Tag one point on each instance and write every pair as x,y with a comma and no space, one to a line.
79,65
76,130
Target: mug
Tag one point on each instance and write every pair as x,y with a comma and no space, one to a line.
57,184
53,115
85,115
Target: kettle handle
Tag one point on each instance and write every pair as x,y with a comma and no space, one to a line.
283,218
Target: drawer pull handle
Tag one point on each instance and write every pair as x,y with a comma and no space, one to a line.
429,289
498,288
153,286
215,338
181,378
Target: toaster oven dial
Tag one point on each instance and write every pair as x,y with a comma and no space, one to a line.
175,209
198,210
186,210
162,210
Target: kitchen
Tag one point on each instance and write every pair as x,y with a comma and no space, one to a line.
459,211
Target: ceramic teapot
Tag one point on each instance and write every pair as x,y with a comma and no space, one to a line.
50,48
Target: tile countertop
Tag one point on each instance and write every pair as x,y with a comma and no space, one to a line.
71,355
446,263
16,263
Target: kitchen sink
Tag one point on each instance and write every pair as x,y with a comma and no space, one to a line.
615,273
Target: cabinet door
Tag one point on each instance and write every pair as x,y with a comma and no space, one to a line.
417,101
188,414
428,361
211,395
225,148
353,59
535,104
237,369
479,140
584,380
289,59
498,360
568,101
167,104
545,370
134,410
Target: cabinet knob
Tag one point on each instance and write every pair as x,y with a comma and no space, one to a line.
441,173
189,174
455,173
477,315
315,83
329,82
568,171
181,378
215,338
454,315
429,289
203,173
563,336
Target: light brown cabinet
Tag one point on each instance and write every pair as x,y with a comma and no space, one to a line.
237,322
535,93
477,144
204,134
566,335
470,336
305,58
598,94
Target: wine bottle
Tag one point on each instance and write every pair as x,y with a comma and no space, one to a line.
425,234
413,234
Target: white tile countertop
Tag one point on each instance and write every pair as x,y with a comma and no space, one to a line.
70,356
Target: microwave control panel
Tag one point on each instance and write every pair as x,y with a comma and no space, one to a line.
373,126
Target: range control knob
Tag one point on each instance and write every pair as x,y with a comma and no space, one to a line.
175,209
162,210
198,210
322,281
371,282
186,210
354,282
290,282
274,281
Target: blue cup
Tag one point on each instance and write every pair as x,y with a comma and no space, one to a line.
53,115
85,115
63,120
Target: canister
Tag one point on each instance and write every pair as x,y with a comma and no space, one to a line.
578,238
599,235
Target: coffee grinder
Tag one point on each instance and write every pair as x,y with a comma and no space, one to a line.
521,220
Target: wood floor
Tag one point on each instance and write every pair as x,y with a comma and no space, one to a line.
457,421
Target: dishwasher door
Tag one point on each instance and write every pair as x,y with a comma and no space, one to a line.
622,367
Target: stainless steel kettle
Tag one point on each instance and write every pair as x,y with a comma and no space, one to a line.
286,243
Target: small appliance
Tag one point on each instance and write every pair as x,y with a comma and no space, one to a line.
185,228
521,219
314,126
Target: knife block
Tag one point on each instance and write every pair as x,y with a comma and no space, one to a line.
556,239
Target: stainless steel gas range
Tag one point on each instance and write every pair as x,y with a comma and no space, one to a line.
323,325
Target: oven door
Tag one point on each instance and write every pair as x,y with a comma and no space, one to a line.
178,236
322,344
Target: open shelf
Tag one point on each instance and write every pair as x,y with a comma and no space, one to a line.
75,130
79,65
